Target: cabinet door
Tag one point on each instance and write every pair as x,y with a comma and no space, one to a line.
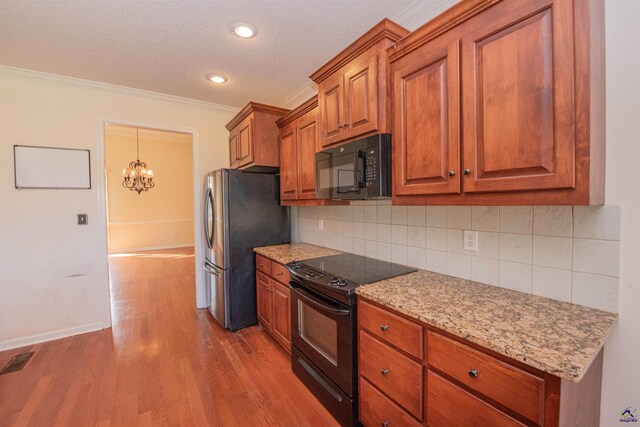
245,141
281,314
307,133
427,119
518,106
330,109
265,300
233,148
360,98
288,163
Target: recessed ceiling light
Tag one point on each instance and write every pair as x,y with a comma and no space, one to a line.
217,78
244,30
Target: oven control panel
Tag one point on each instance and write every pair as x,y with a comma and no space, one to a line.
317,276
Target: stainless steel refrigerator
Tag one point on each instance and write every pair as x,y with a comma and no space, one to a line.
241,211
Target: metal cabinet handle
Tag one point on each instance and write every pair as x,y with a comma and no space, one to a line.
345,125
384,328
473,373
339,126
261,265
467,171
385,424
452,173
279,273
384,372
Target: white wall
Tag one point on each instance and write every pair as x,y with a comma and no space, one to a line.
53,279
621,383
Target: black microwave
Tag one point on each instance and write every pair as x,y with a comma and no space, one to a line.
359,169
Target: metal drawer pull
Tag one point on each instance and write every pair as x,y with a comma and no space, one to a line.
467,171
452,173
383,328
384,423
473,373
279,273
384,372
261,265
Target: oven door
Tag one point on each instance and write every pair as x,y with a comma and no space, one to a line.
323,331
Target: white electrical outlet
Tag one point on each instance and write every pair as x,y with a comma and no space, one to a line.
321,224
470,240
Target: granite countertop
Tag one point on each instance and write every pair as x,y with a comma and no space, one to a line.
556,337
294,252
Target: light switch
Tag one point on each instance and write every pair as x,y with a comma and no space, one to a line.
82,219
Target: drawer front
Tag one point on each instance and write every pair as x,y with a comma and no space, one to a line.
280,273
263,264
515,389
449,405
400,332
395,374
377,410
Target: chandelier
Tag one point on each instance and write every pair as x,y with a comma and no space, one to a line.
137,177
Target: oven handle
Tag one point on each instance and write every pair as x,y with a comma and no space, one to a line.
317,301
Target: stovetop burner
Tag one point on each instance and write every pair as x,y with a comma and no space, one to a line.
343,273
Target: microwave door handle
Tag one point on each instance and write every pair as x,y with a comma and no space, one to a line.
359,170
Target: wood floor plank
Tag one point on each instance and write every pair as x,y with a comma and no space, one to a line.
163,363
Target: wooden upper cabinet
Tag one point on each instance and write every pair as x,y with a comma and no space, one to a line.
254,138
360,98
331,104
307,132
426,136
501,101
288,163
245,141
299,133
233,149
352,87
519,129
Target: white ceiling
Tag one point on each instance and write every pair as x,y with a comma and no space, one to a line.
170,46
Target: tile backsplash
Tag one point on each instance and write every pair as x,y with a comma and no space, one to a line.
560,252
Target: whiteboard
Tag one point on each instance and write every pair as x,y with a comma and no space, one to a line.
55,168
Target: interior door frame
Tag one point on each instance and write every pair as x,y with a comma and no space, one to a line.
198,236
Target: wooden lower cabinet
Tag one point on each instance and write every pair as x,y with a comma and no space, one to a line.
273,303
452,382
450,405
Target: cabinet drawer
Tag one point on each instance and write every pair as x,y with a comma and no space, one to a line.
514,388
280,273
449,405
400,332
263,264
377,410
395,374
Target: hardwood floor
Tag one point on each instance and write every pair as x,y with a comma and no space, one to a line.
163,363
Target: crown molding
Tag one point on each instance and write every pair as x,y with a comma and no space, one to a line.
302,94
90,85
421,11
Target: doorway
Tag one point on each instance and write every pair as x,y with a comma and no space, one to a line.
155,219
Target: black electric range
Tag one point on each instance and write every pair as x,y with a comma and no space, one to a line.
323,326
337,276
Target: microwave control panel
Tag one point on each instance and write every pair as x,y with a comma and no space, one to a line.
371,168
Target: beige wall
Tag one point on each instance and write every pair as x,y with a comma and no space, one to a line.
163,216
53,273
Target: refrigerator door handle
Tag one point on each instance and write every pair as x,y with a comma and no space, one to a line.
211,269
